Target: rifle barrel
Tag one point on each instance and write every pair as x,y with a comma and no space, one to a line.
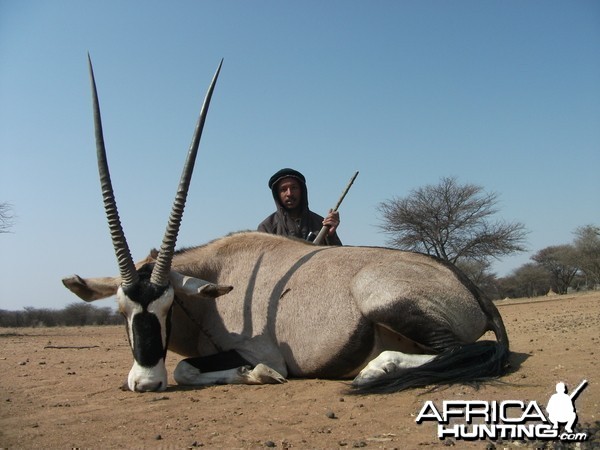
578,389
324,229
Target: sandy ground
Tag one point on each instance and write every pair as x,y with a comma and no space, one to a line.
60,388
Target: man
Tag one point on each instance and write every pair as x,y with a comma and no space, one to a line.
293,218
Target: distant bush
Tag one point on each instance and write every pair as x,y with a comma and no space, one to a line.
75,314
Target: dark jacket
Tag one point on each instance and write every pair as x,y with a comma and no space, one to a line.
282,224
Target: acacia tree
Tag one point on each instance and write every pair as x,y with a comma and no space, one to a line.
6,217
562,262
587,244
451,221
529,280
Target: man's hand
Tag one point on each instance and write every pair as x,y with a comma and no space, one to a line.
332,221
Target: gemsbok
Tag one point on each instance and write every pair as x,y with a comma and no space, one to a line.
389,319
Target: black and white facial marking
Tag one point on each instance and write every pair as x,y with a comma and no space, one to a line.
147,308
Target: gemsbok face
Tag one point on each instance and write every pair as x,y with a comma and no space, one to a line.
145,294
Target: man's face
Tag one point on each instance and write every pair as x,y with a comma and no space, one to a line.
290,193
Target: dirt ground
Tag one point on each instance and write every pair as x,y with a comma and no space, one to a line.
60,388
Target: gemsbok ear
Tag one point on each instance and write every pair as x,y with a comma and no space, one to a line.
91,289
196,288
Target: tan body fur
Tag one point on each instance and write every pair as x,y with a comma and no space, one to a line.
295,306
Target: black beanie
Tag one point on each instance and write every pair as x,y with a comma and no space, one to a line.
283,173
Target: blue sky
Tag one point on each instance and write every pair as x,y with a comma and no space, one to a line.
503,94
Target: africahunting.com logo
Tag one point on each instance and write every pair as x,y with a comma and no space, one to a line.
508,419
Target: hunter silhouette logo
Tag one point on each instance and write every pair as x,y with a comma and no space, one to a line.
561,407
508,419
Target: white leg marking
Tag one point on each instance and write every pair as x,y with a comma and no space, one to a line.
188,375
389,362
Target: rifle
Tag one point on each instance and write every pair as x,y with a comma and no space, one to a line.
325,228
578,389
